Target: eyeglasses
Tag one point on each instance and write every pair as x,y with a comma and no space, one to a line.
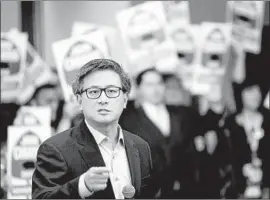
95,93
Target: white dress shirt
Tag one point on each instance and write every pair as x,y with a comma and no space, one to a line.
115,159
159,115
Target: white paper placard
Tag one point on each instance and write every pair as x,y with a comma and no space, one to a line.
37,72
22,146
33,116
143,32
72,53
13,57
177,12
247,19
212,60
186,45
83,28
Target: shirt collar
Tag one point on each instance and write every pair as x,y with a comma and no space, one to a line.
148,105
99,137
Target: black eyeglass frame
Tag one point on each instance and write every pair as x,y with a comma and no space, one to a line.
103,90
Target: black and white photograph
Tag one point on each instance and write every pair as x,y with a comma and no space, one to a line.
135,99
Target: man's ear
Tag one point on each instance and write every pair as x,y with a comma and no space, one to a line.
125,100
79,100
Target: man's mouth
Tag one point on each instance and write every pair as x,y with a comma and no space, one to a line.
103,111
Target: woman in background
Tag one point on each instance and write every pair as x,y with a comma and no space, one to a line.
210,151
249,133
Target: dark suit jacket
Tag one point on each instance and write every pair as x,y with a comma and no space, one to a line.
206,176
241,152
168,153
64,157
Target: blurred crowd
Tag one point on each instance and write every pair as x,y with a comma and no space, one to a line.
202,151
201,148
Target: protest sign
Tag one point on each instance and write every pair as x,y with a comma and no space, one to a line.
37,72
72,53
13,57
23,143
145,39
212,60
246,18
33,116
177,12
185,43
83,28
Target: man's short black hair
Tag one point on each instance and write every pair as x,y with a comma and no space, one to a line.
249,83
100,65
140,75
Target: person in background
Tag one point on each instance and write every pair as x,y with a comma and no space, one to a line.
45,95
164,127
175,94
62,113
210,152
250,137
48,95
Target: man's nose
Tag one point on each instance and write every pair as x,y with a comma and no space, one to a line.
103,98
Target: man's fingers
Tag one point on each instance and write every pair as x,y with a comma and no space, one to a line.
101,181
96,173
99,187
100,170
94,177
100,176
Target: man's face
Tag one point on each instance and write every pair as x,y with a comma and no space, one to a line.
152,88
103,110
175,94
48,97
251,97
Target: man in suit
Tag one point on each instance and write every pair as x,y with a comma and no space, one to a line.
165,128
96,159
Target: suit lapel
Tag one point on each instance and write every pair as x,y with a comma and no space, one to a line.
149,124
175,123
134,162
93,158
